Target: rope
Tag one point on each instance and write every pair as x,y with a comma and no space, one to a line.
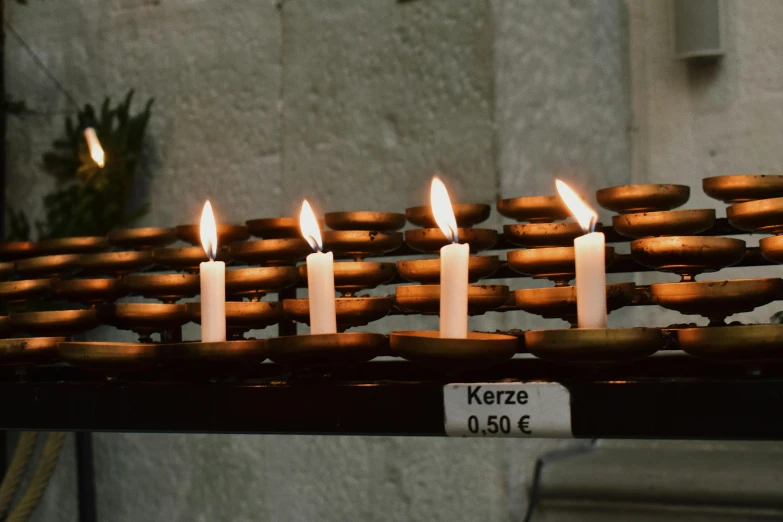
13,475
41,476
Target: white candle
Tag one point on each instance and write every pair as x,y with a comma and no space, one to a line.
320,292
590,259
213,282
454,259
320,276
590,254
454,291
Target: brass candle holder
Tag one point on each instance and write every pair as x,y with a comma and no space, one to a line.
226,233
242,316
14,250
355,276
73,245
772,248
559,302
427,271
145,238
478,351
110,357
168,288
271,251
431,240
534,209
276,228
337,350
688,256
555,263
717,300
763,215
594,345
233,352
664,223
538,235
6,270
350,311
743,187
187,259
425,299
255,282
749,344
87,291
114,263
19,291
359,244
365,220
54,323
29,351
631,199
46,266
466,214
144,319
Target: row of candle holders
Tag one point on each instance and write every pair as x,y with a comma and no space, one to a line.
664,239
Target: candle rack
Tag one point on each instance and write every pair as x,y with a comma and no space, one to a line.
53,292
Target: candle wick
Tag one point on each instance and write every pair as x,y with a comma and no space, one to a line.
454,234
593,222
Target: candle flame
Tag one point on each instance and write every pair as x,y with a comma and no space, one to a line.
308,225
442,210
96,151
208,231
582,212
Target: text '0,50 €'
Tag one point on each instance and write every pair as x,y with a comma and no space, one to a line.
507,410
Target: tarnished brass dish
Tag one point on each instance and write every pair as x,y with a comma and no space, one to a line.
353,276
536,235
73,245
111,357
13,250
15,291
6,269
114,263
425,299
47,265
555,263
240,351
534,209
717,300
277,251
144,318
5,326
350,311
29,351
665,223
741,343
763,215
166,287
187,258
688,256
257,281
466,214
59,322
87,291
432,239
628,199
361,243
559,302
226,233
143,238
277,228
476,352
772,248
327,350
743,187
427,271
365,220
594,345
242,316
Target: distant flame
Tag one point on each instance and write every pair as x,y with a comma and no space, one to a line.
309,227
442,210
96,151
582,212
208,231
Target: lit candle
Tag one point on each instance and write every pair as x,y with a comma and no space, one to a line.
94,146
454,260
213,282
590,257
320,276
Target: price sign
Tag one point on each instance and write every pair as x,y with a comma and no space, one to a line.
507,410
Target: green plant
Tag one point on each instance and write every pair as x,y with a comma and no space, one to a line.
90,200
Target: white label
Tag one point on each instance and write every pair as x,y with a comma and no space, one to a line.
507,410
